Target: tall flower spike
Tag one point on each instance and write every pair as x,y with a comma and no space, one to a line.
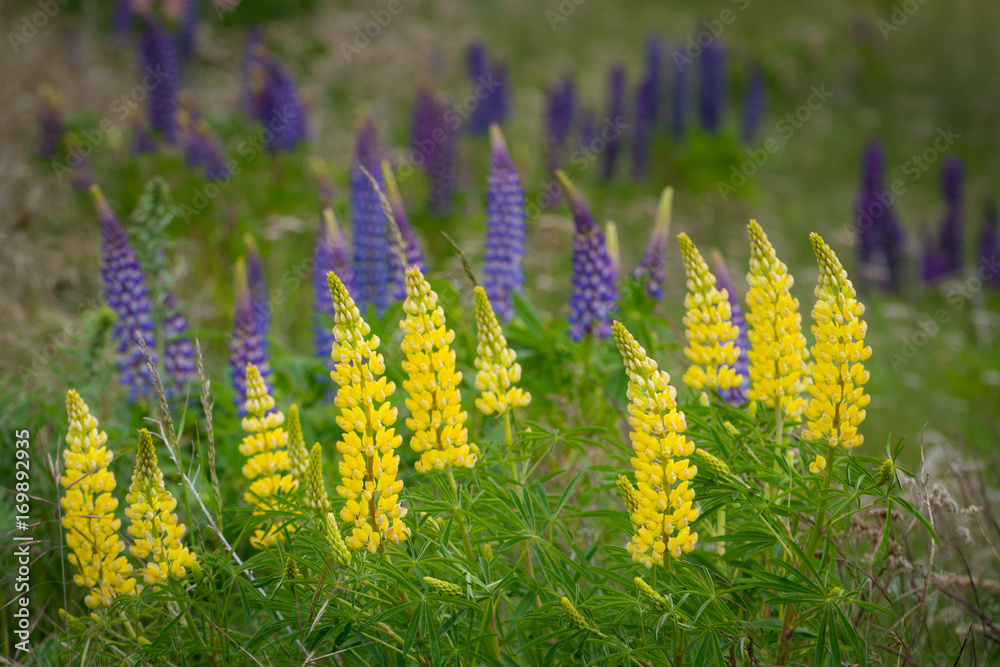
561,100
989,242
503,272
316,495
952,239
645,125
89,509
178,351
754,100
260,303
246,345
370,464
155,530
678,112
125,291
51,121
650,270
411,255
329,254
710,333
298,456
712,87
371,249
160,60
498,370
332,533
778,351
837,402
734,395
594,289
663,499
432,385
616,109
881,239
266,449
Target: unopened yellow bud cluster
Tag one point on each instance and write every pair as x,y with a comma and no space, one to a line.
265,447
435,404
838,374
710,334
777,355
496,363
663,497
155,530
89,509
370,464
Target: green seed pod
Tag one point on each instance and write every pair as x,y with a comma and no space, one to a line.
316,496
730,428
487,551
332,533
714,463
651,597
444,588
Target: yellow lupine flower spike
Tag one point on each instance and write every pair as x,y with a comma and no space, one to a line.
836,406
710,334
664,501
268,463
435,404
774,326
496,363
370,464
89,509
155,531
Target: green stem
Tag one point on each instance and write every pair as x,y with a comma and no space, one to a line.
779,416
817,530
458,513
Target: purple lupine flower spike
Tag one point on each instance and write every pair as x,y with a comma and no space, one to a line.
678,119
654,59
933,261
412,255
284,114
503,273
989,244
251,75
423,120
142,138
260,302
51,121
645,121
712,87
125,292
952,239
178,351
616,110
881,239
753,104
185,28
329,254
490,79
246,345
559,120
82,175
499,100
651,270
733,395
442,163
161,63
121,19
588,129
475,59
594,288
371,250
